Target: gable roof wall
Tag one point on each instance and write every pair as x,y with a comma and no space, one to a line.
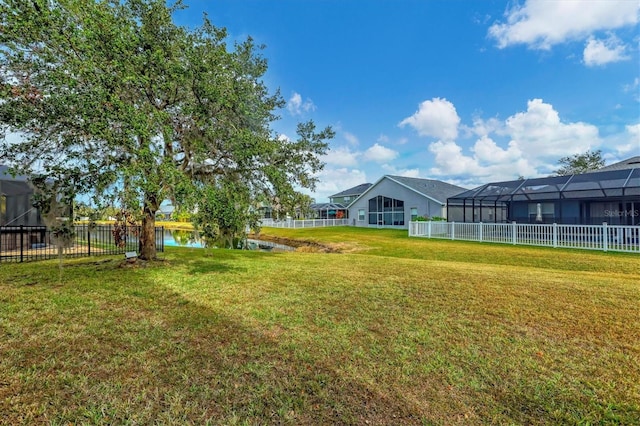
629,163
434,190
356,190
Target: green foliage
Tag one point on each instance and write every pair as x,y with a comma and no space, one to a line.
580,163
182,215
432,219
224,215
129,106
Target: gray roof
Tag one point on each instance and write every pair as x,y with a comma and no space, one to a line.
629,163
431,188
5,175
13,186
355,191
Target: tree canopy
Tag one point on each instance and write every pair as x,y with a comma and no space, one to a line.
580,163
114,99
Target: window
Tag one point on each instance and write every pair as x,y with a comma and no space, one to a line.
361,215
386,211
414,213
541,212
347,198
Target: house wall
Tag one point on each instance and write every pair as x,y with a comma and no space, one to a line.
390,189
345,201
17,210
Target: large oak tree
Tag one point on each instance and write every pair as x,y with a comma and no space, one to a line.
112,97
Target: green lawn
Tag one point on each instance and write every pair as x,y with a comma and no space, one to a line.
387,330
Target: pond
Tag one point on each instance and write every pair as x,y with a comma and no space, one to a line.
183,238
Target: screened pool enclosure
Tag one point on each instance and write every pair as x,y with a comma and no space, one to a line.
591,198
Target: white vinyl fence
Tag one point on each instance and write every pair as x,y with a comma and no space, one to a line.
589,237
303,223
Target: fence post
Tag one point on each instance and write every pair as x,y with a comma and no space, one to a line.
89,240
429,229
605,236
453,230
555,235
480,224
21,242
514,230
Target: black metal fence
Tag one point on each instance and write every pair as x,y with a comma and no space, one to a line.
28,243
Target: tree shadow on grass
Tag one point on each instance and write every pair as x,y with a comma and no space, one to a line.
107,357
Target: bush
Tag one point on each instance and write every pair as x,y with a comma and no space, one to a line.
432,219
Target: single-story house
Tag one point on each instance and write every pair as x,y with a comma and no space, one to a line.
611,194
338,205
393,201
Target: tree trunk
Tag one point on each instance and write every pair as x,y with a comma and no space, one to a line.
148,234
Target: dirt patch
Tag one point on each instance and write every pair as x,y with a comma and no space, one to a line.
305,246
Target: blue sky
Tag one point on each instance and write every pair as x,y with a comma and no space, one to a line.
463,91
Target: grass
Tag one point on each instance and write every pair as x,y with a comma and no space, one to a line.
391,330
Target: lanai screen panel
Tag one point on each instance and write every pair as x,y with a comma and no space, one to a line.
486,203
471,206
615,183
548,188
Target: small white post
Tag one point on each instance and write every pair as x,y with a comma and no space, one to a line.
514,237
555,235
605,236
429,229
480,231
453,230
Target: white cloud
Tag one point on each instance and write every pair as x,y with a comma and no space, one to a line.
451,160
383,138
379,154
296,106
488,152
633,87
351,138
632,136
601,52
437,118
540,24
535,140
540,134
341,156
334,180
634,132
483,127
390,169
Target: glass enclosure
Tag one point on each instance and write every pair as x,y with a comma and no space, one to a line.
590,198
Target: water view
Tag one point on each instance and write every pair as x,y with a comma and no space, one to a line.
184,238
